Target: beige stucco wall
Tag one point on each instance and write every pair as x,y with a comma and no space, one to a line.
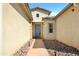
0,29
44,25
17,30
67,27
38,19
46,34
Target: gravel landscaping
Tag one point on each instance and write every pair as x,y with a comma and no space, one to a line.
23,50
56,48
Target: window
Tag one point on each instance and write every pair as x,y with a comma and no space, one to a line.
37,15
50,27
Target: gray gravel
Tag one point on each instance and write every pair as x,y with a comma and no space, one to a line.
57,48
58,53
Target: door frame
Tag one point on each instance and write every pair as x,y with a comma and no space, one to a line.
37,31
33,29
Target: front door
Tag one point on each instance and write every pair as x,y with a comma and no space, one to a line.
37,30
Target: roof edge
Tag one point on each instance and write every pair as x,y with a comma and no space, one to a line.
63,10
41,9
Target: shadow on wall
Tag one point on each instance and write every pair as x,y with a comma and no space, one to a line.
59,46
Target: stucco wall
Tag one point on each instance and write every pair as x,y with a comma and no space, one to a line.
17,30
67,27
0,29
46,34
38,19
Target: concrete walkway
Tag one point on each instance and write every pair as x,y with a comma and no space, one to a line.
38,49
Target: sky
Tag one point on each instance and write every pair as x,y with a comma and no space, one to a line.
55,8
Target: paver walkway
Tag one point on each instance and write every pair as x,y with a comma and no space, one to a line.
38,49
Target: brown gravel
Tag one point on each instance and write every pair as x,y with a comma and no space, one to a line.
57,48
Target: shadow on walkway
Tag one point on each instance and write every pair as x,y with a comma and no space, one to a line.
39,43
38,49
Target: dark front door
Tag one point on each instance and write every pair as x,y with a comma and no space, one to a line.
37,30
